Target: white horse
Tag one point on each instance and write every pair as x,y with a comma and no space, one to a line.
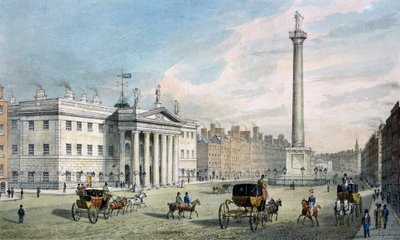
136,202
348,209
339,213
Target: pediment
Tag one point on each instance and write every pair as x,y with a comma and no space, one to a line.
160,115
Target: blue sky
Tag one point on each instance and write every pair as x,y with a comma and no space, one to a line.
228,62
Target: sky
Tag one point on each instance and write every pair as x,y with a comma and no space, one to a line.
226,62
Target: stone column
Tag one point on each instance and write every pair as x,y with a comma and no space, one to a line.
121,155
163,160
135,158
169,161
147,159
175,161
156,158
298,37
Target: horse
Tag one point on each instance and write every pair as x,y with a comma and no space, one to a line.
348,211
136,201
338,211
117,204
172,208
306,212
184,208
272,208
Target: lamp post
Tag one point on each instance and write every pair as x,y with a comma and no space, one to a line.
302,169
284,171
316,172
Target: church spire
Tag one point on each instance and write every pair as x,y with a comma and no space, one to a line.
356,147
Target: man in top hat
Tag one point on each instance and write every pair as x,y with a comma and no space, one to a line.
312,200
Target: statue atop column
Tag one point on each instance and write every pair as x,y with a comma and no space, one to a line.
298,21
136,94
158,95
176,108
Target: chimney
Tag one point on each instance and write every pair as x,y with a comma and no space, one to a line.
96,100
1,92
237,132
220,132
69,94
268,138
40,94
255,132
84,98
203,133
212,129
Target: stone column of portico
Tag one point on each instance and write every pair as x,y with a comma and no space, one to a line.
175,161
163,160
135,158
147,159
169,161
156,156
298,36
121,156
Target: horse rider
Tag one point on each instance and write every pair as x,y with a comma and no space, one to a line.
263,183
186,199
178,199
312,200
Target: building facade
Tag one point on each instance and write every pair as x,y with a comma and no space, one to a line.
61,140
391,159
239,154
371,159
3,142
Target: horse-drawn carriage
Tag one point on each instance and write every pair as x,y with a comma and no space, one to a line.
247,197
350,193
93,200
222,189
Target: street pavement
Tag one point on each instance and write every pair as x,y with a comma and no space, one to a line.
392,230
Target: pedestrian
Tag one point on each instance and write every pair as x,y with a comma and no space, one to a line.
8,192
12,192
385,215
21,214
22,193
38,192
366,221
374,196
378,216
65,187
327,186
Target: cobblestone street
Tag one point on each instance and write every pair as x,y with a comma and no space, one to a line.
50,215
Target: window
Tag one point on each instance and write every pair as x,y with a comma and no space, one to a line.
15,176
1,150
79,149
90,127
46,177
1,129
13,124
182,153
46,149
192,135
31,125
31,149
192,153
110,151
111,177
78,176
110,128
1,169
68,148
187,153
14,149
68,125
101,127
183,134
79,126
45,124
31,177
187,134
101,177
68,176
100,150
90,150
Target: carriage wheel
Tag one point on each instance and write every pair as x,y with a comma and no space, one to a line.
93,214
254,218
76,212
223,215
106,213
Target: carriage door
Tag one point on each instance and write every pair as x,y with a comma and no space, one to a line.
89,181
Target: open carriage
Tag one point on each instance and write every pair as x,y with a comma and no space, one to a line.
350,193
93,200
247,198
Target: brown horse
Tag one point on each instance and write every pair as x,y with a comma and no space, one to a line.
306,212
184,208
172,208
118,204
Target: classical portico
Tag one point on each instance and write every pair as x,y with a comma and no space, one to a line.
149,146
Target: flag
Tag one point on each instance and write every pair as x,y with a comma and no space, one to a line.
126,75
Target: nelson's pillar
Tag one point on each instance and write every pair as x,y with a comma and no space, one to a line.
298,157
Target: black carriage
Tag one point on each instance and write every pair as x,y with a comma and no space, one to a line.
350,193
247,198
93,200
